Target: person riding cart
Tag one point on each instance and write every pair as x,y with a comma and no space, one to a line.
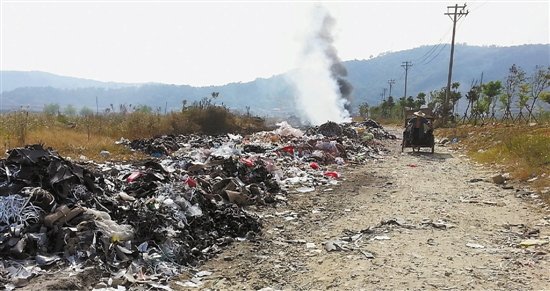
418,131
419,126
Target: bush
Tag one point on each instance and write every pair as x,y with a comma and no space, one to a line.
212,120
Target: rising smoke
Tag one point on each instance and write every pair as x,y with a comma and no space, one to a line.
321,89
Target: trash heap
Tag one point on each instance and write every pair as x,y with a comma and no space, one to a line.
138,222
146,221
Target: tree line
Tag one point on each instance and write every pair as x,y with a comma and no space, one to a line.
518,91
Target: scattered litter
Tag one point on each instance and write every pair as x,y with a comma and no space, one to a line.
305,189
203,274
439,224
336,245
533,242
367,255
475,246
381,237
492,203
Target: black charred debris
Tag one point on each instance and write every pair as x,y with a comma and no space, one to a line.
151,219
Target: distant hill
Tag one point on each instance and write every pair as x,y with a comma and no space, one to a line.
16,79
274,95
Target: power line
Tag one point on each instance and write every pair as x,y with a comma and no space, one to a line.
435,56
433,48
427,54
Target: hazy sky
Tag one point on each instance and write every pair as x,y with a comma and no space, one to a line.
200,43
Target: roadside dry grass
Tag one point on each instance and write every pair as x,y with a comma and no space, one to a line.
521,150
71,143
73,136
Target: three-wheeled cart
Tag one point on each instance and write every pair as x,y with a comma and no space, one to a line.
413,138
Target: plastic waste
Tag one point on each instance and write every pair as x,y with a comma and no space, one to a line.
226,150
191,182
288,149
533,242
247,162
305,189
314,165
332,174
133,177
114,231
286,129
367,136
328,146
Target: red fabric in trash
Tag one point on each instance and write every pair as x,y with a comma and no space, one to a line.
332,174
288,149
247,162
191,182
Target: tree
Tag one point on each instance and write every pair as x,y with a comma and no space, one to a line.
524,96
455,95
481,107
545,96
492,90
472,96
85,111
539,81
437,98
143,108
364,110
51,109
516,76
69,110
420,100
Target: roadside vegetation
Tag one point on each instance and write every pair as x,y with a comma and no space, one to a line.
521,150
88,133
519,99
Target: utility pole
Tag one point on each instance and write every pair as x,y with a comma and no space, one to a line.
385,89
391,82
96,106
406,65
455,13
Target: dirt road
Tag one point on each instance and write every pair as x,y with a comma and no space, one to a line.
407,221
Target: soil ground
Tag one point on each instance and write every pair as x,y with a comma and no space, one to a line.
407,221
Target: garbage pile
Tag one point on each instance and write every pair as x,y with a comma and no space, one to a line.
365,130
139,222
146,221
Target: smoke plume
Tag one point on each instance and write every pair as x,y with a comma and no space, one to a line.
321,89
